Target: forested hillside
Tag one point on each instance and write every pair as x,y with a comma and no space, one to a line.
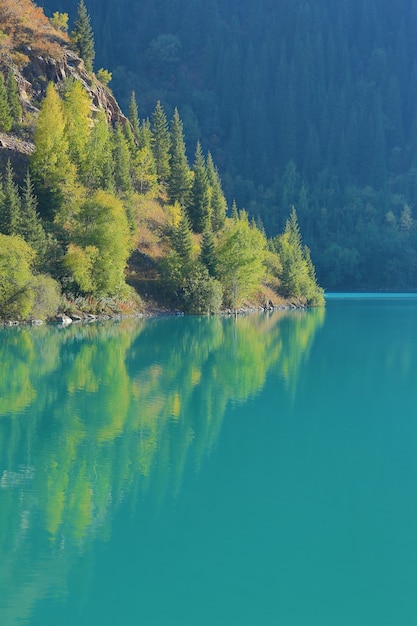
304,103
101,206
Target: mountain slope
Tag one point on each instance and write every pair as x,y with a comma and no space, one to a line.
327,87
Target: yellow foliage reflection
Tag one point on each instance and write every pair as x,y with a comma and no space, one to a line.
92,415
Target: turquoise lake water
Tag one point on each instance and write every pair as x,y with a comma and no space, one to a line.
212,472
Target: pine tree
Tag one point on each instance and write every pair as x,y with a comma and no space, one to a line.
6,120
161,143
199,207
218,204
179,182
208,251
30,226
121,160
130,138
145,135
83,37
182,239
13,97
10,204
134,116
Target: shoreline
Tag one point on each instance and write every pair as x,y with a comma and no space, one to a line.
63,319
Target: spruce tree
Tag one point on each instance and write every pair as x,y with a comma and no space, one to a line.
179,182
199,207
121,160
182,239
30,226
161,143
13,97
83,37
208,251
130,138
6,119
145,135
134,116
218,204
10,204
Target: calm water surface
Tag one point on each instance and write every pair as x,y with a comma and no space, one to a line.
212,472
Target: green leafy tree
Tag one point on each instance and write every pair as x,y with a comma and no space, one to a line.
13,97
179,181
199,207
10,204
161,143
77,114
59,21
54,173
16,295
6,119
144,171
102,234
104,76
99,168
46,294
201,293
83,36
241,253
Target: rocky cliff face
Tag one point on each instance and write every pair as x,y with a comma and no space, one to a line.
41,70
38,54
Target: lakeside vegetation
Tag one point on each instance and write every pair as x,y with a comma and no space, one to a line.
301,103
99,210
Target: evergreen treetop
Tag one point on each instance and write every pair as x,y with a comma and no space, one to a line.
83,36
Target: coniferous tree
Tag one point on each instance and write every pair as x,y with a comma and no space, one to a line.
121,159
134,116
199,207
83,37
182,239
218,204
235,212
10,204
13,97
145,135
179,181
6,120
128,134
208,251
161,143
30,226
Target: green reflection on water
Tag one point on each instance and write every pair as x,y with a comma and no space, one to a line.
94,415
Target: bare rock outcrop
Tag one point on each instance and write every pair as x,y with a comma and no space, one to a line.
41,70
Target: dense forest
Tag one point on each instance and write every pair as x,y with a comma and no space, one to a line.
93,202
301,103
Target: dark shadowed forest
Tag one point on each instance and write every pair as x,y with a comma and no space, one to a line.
311,104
